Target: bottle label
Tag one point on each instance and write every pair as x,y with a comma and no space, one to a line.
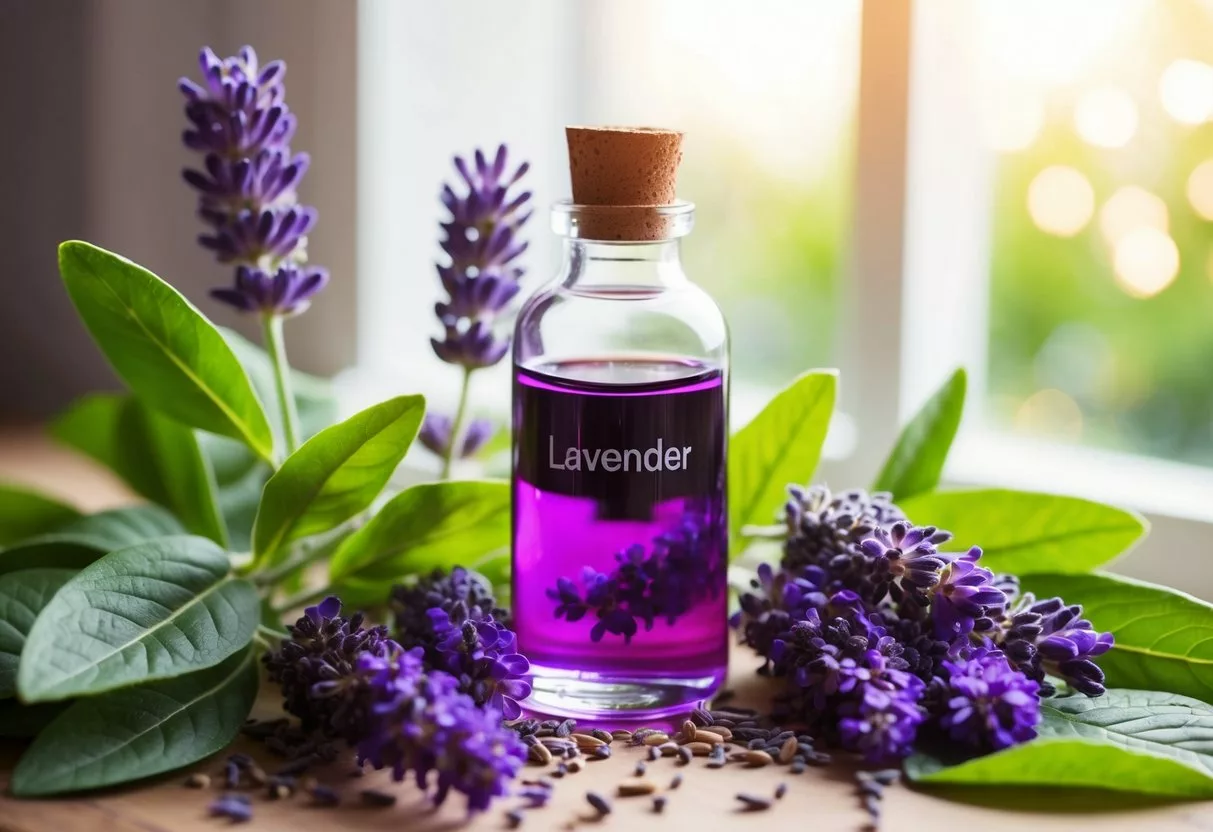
628,448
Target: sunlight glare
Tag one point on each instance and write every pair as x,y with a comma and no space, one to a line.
1146,261
1061,201
1131,208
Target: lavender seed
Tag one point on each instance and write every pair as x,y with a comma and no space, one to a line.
699,749
684,755
676,782
655,738
586,741
642,734
640,769
539,754
601,805
757,759
753,803
602,735
688,731
636,786
701,717
549,724
566,727
621,736
798,766
781,790
654,753
574,765
198,781
668,749
787,751
723,723
773,750
378,799
659,803
706,736
757,742
719,730
602,752
513,818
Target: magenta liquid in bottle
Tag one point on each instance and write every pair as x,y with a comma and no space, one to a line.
620,427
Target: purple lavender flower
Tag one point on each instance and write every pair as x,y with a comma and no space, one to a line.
967,598
461,594
1051,638
424,725
983,702
907,555
881,723
316,669
482,277
683,566
240,122
436,430
483,655
822,526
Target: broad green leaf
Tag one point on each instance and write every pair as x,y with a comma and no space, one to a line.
1067,763
916,462
134,733
19,721
172,357
151,611
781,445
161,459
22,596
25,513
334,475
422,527
1023,531
83,541
1164,637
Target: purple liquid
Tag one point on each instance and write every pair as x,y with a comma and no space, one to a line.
620,534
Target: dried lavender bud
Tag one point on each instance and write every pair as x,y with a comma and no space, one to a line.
574,765
781,790
198,781
231,775
602,752
536,797
324,796
819,758
635,787
684,755
798,765
640,769
701,717
566,727
513,818
871,804
753,802
654,753
659,803
234,807
676,782
561,771
378,799
601,805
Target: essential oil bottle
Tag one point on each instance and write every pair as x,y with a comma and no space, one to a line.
620,431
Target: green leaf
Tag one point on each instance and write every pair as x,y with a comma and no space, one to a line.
1127,740
159,458
1066,763
916,462
83,541
781,445
1023,532
428,525
19,721
1164,637
151,611
22,596
24,513
172,357
334,475
137,732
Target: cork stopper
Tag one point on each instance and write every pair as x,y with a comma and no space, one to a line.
626,172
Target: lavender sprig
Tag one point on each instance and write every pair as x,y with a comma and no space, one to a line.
481,276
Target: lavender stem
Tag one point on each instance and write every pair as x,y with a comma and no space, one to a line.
276,345
457,427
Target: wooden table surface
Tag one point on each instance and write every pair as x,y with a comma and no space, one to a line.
820,800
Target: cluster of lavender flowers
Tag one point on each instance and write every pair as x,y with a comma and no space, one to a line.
683,567
482,277
350,682
455,622
880,634
239,121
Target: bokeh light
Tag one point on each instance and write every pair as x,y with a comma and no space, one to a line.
1131,208
1200,189
1186,88
1145,261
1061,201
1012,120
1051,413
1106,117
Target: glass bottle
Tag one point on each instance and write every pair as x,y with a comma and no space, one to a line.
619,513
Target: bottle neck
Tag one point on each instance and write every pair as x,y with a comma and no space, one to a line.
627,266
